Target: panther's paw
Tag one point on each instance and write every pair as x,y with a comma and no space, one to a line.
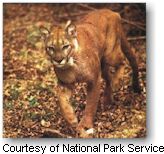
83,133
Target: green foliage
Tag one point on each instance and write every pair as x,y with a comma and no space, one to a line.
33,35
14,94
8,105
33,101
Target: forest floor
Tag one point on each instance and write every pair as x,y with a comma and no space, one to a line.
29,81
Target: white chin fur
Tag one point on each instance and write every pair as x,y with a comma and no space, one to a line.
63,62
76,45
71,61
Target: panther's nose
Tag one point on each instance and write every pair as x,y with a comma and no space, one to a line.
58,58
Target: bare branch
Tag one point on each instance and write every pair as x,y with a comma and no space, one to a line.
73,14
136,24
87,7
136,38
133,23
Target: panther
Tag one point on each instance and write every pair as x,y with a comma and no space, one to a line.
85,52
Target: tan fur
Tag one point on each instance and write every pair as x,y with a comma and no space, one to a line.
97,43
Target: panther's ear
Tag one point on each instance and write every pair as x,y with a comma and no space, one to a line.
44,32
70,29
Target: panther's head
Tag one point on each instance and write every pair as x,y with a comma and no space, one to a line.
60,42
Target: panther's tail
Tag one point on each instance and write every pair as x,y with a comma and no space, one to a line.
132,60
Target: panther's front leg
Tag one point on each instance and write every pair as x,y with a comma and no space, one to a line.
90,110
64,94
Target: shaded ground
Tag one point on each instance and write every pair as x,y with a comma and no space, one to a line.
30,82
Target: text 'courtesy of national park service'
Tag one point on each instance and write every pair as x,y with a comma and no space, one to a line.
7,148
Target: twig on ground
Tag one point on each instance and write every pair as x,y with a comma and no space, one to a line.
54,133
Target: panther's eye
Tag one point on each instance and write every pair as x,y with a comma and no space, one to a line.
66,47
50,50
